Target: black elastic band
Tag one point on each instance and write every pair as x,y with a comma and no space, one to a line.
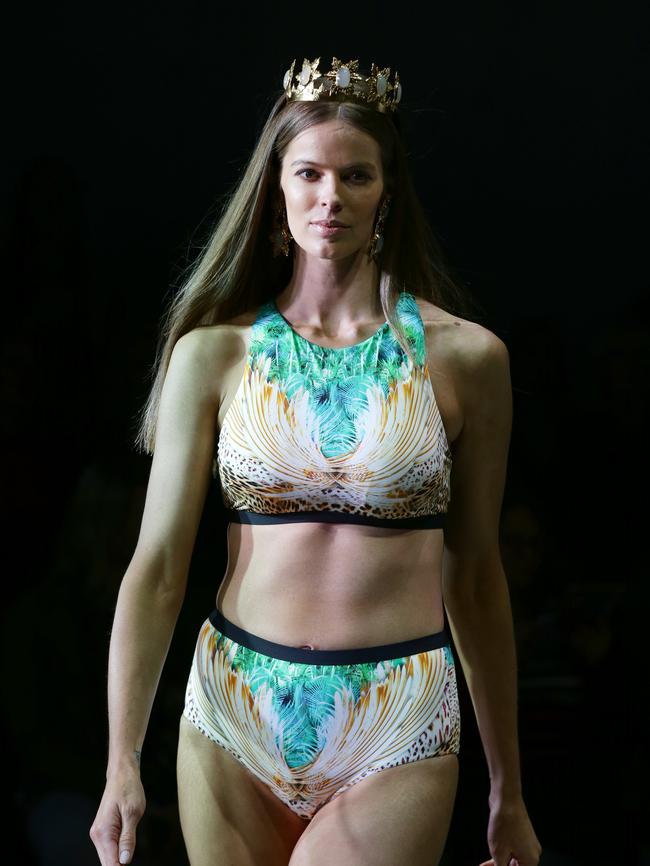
327,657
425,521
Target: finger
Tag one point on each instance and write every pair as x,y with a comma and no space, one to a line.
108,850
126,845
105,845
125,850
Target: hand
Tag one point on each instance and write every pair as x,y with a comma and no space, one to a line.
121,808
511,838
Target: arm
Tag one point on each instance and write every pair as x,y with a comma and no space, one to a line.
153,587
474,582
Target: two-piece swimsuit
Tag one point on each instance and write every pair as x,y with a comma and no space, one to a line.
335,435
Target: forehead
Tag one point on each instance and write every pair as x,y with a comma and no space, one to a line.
333,140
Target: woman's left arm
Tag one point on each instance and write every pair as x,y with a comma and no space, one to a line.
475,588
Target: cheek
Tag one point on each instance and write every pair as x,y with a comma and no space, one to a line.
296,193
368,201
370,212
296,198
298,206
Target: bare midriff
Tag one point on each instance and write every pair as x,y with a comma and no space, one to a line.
333,586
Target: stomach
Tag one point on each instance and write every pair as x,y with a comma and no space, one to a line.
333,586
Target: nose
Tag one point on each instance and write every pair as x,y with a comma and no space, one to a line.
331,195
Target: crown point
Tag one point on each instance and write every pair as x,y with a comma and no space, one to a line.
305,73
381,85
399,92
286,81
343,77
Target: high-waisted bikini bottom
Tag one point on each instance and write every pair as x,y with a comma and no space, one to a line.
312,723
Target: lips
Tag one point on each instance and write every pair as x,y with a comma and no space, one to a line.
327,230
330,224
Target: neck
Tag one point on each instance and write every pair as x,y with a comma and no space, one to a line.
332,294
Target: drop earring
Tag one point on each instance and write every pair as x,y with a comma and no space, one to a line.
377,242
281,235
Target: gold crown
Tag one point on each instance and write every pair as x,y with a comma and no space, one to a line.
344,83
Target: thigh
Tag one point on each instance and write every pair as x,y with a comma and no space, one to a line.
400,815
227,815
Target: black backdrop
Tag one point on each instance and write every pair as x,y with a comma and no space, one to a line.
527,128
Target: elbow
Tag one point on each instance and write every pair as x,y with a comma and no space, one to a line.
473,585
158,576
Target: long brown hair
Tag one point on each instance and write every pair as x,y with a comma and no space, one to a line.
236,270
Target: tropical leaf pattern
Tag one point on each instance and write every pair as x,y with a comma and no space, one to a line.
311,731
352,430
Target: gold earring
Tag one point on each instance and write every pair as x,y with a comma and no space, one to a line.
377,242
281,235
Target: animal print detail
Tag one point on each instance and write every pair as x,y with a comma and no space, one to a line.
354,431
441,737
311,731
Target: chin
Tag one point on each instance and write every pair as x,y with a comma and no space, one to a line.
330,250
331,254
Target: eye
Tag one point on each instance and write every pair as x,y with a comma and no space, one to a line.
361,176
303,170
357,176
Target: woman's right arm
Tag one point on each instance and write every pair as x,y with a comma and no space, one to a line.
153,588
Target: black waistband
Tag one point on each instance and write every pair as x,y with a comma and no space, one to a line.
327,657
424,521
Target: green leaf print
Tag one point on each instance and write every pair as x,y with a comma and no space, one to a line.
335,378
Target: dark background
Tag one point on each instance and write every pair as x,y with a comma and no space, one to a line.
528,133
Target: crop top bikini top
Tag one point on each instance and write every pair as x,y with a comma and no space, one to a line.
335,435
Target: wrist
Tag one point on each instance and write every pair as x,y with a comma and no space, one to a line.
124,763
504,793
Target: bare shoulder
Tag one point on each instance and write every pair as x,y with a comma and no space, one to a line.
222,342
212,350
466,346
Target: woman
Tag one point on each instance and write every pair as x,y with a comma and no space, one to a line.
308,339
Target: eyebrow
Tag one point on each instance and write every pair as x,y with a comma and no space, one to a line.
367,165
